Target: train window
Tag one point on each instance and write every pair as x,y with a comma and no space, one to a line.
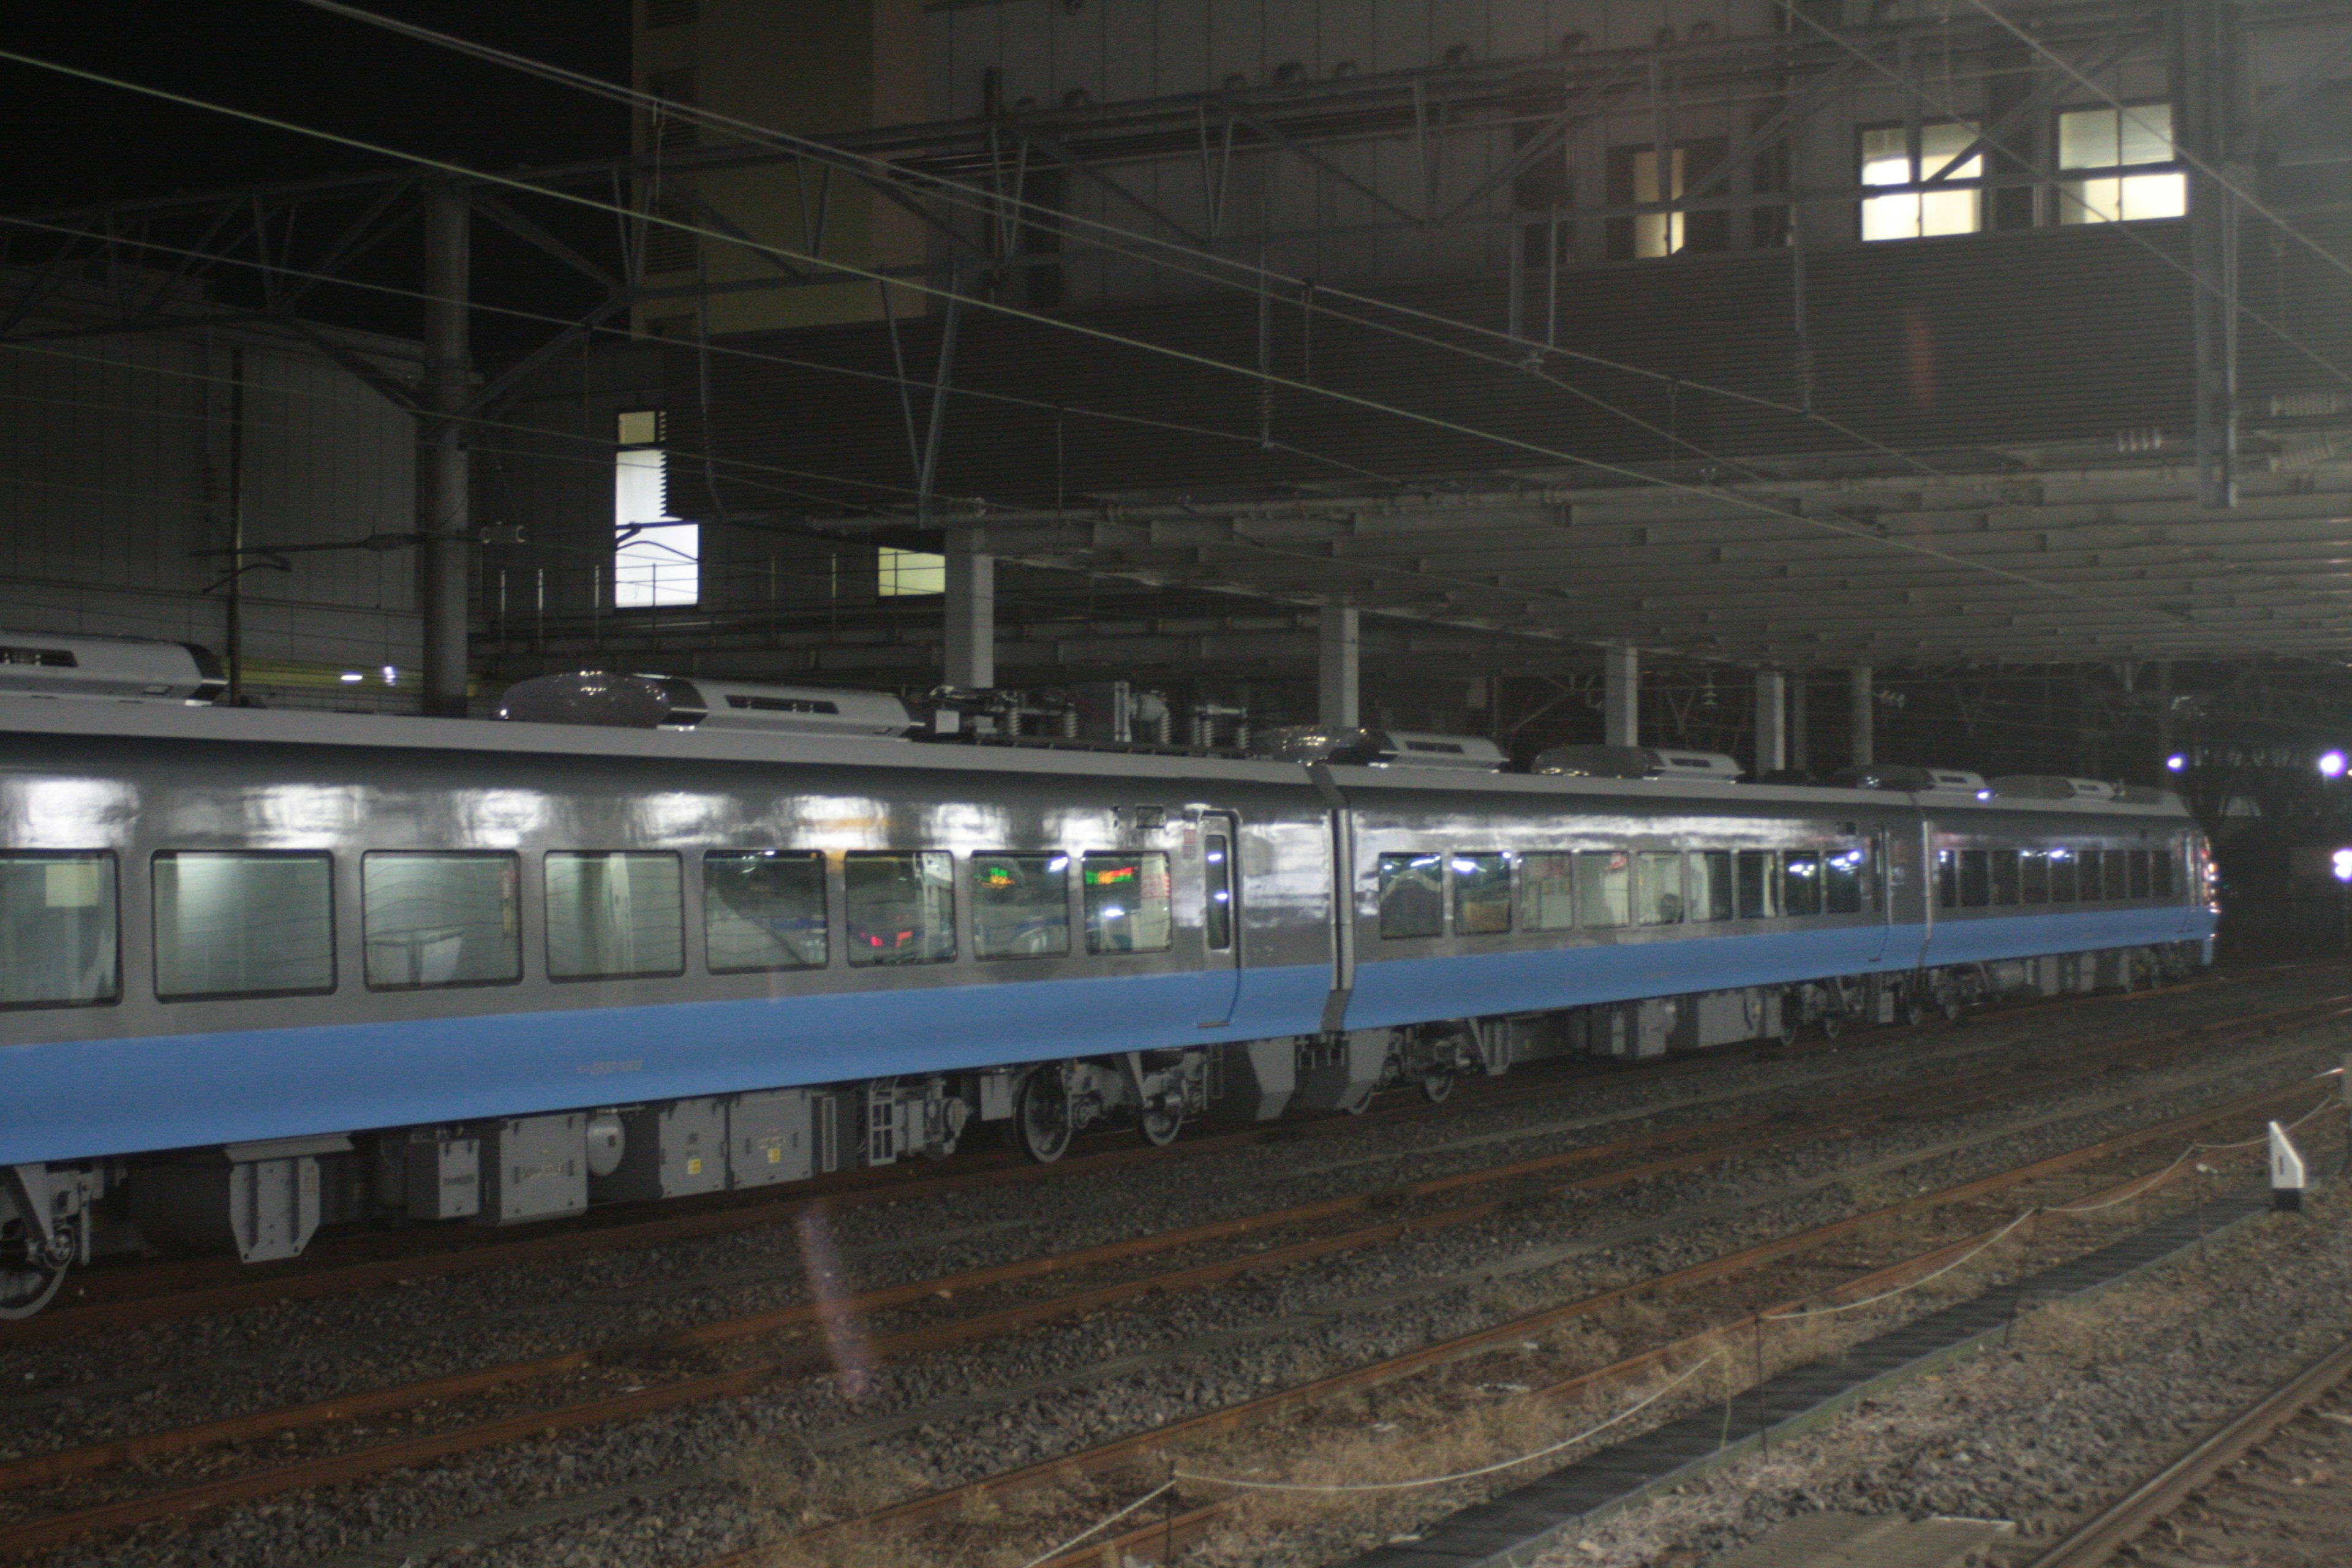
763,910
1217,880
440,920
1605,891
1546,891
610,916
900,906
1658,887
1947,878
1801,884
2061,876
2118,878
1126,900
58,931
254,924
1759,885
1481,894
2160,865
2140,872
1843,881
2004,876
2033,874
1020,905
1413,901
2088,873
1976,879
1710,885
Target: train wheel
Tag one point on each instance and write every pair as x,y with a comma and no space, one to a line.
1159,1125
1041,1117
1435,1086
1829,1025
1909,1008
1792,1020
27,1283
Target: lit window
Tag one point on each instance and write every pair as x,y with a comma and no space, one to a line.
901,572
2102,139
1657,234
656,559
1918,215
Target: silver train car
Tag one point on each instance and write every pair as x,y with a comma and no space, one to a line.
266,971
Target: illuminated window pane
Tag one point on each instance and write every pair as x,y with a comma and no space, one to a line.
441,919
1657,234
258,924
903,572
2103,139
1604,892
1412,895
1916,215
1126,902
1548,892
656,559
1481,894
56,930
1020,905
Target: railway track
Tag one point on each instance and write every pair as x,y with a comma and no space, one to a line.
2272,1486
1238,1439
1716,1143
138,1295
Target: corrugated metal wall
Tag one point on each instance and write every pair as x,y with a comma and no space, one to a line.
113,468
1987,341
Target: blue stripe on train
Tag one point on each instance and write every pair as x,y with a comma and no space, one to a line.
107,1097
75,1099
1389,991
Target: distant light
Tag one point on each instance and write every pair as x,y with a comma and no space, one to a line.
2341,863
2176,763
2331,766
1984,794
391,674
352,678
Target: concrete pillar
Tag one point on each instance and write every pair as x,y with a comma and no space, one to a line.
971,653
1620,694
1339,667
444,511
1801,721
1865,739
1771,722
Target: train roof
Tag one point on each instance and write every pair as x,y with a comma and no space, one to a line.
98,717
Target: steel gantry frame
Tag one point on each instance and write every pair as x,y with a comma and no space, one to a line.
968,182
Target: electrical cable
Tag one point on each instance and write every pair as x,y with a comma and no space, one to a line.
1178,356
991,205
1956,115
2252,203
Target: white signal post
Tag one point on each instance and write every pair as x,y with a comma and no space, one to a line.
2286,1171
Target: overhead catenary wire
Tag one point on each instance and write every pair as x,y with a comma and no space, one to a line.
1168,352
1951,112
2196,161
1081,411
1255,277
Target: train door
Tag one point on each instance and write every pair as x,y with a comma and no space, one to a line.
1221,908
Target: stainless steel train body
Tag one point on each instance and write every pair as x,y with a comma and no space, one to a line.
265,969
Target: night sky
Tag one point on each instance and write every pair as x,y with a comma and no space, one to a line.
72,143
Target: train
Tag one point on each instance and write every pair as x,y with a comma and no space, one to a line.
264,970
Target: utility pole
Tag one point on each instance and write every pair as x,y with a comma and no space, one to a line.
443,482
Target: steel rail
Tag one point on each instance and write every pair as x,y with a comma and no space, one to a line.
2160,1493
42,1469
1126,1450
357,1464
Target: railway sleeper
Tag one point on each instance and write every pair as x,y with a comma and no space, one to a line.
266,1201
